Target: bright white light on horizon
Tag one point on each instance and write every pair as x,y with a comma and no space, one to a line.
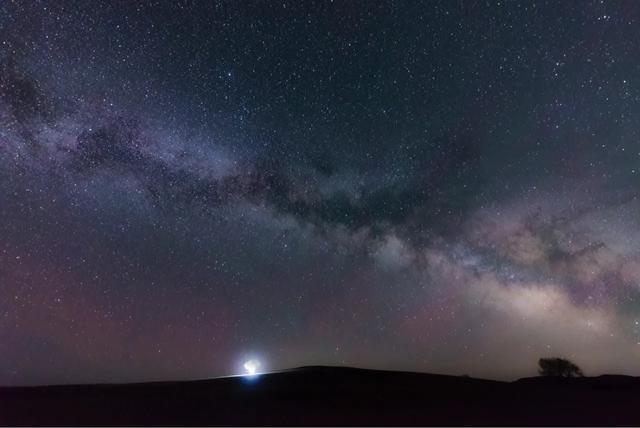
251,367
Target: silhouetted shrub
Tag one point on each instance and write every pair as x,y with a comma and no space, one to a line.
558,367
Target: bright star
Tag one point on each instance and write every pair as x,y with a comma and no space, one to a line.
251,367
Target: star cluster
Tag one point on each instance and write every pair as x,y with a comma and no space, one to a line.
435,186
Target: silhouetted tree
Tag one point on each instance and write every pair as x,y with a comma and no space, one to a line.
558,367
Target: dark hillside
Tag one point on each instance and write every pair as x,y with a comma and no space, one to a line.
331,396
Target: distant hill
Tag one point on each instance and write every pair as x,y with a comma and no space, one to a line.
331,396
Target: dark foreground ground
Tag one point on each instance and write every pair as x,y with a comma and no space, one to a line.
331,396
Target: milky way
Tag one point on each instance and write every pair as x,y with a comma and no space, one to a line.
438,186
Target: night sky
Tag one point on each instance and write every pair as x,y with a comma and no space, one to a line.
439,186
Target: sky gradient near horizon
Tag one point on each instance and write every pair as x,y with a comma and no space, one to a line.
439,186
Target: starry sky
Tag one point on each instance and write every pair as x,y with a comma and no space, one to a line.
440,186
